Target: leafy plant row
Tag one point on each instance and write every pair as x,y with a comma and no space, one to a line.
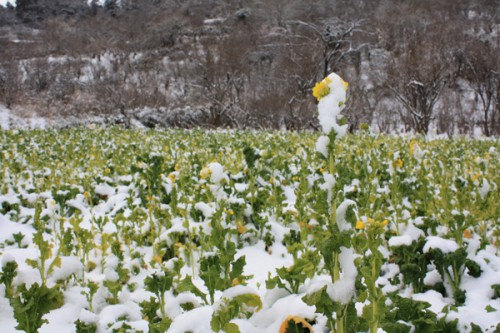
148,230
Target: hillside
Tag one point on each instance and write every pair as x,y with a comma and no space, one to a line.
412,66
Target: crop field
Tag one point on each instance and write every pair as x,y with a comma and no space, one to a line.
114,230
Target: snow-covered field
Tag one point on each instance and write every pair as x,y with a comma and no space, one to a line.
110,230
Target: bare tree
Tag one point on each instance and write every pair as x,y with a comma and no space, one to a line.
417,78
219,73
9,84
481,67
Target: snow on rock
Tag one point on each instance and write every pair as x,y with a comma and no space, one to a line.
11,121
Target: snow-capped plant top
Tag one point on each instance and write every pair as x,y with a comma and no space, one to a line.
331,94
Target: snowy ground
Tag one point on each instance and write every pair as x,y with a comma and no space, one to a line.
80,200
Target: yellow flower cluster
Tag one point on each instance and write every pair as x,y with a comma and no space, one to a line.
171,176
398,163
321,89
476,177
300,324
371,224
413,147
205,172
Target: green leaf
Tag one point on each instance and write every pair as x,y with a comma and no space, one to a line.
250,156
158,284
210,273
489,308
161,326
32,263
396,328
9,272
33,303
496,290
475,328
250,300
82,327
243,305
231,328
237,268
187,284
323,303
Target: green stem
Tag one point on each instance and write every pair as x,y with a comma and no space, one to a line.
340,324
374,297
332,327
342,319
336,267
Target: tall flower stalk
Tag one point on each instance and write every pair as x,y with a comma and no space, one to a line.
337,251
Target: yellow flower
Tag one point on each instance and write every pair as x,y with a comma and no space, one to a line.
413,147
86,194
467,234
360,225
321,89
158,259
476,177
398,163
305,225
171,176
299,323
205,172
241,228
107,170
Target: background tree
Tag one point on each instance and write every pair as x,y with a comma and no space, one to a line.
418,75
480,66
254,63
